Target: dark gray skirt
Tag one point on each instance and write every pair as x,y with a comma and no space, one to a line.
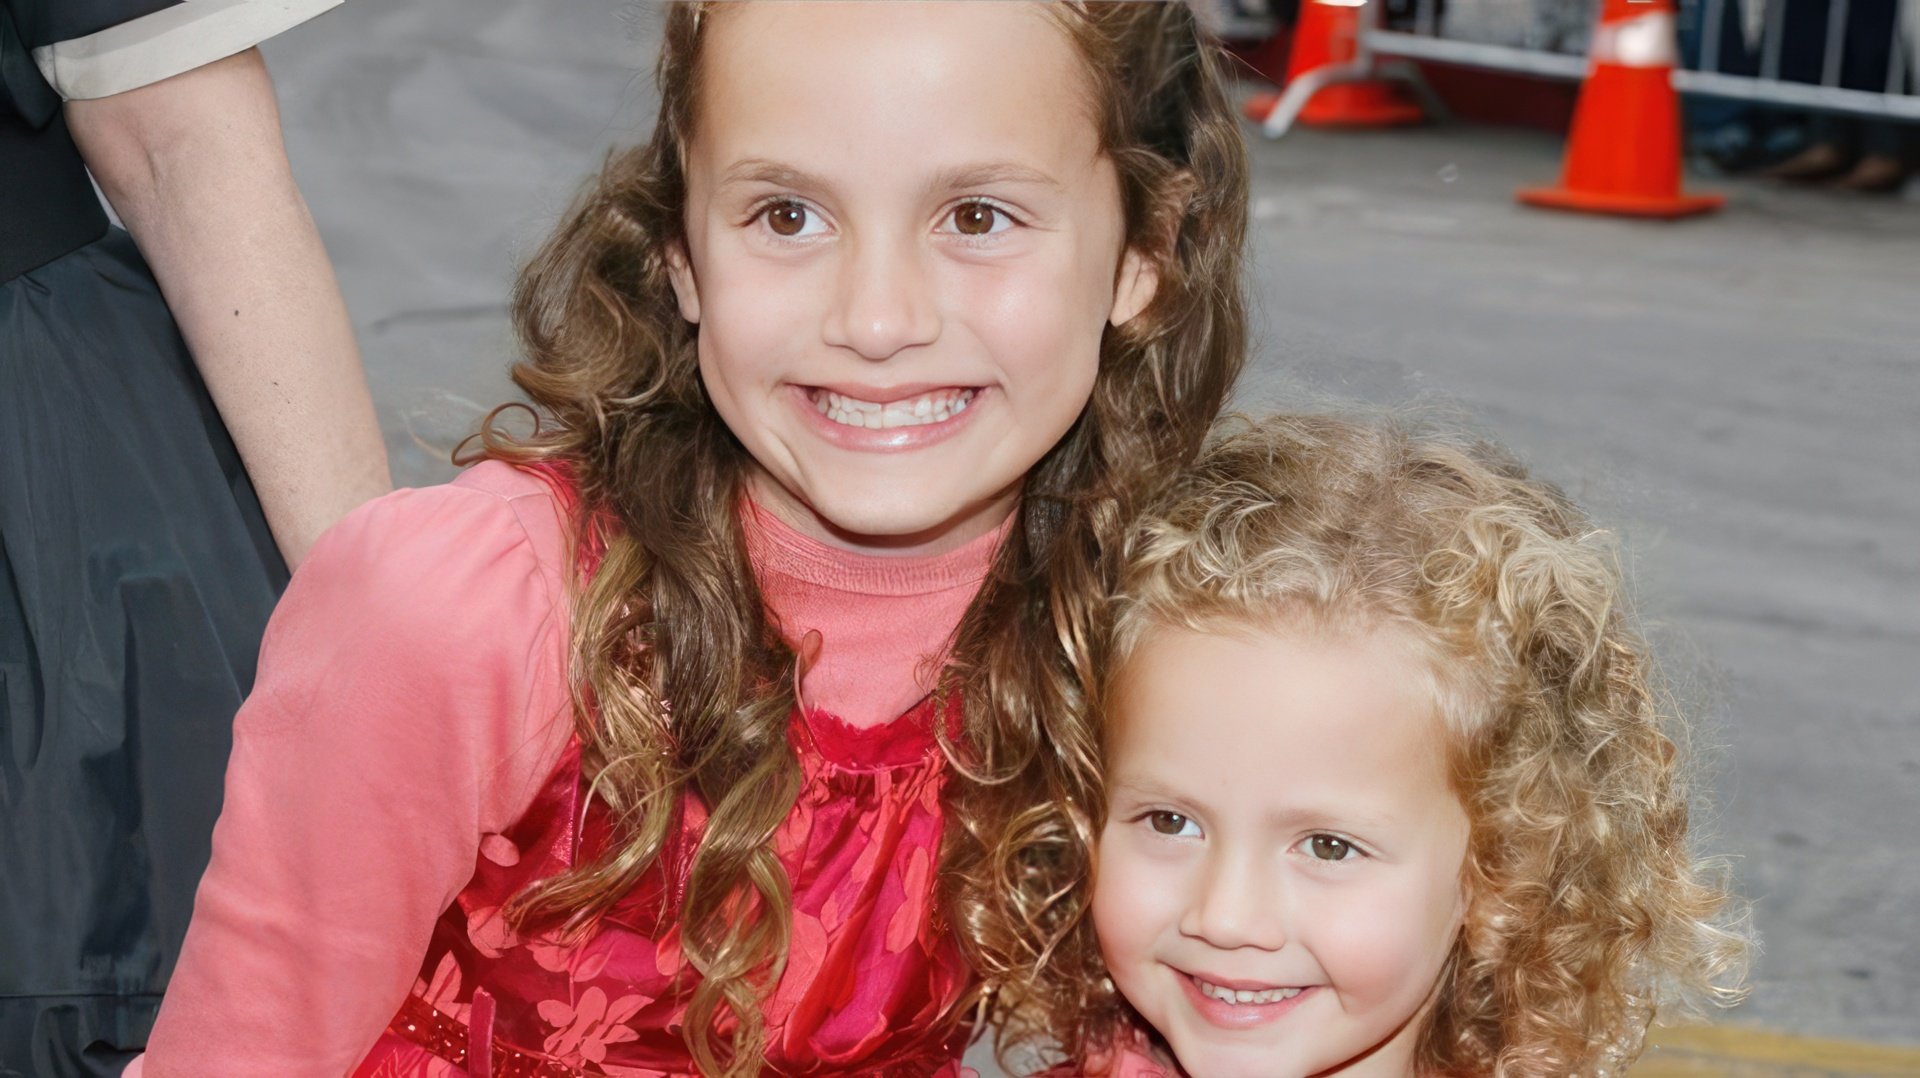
136,576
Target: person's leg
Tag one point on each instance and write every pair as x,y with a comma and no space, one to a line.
1886,158
1731,134
1801,50
1872,35
1831,150
1729,56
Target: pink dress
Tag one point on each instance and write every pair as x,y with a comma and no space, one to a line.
1133,1056
407,763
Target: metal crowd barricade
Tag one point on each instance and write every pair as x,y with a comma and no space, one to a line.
1445,34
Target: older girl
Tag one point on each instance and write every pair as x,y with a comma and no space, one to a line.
636,749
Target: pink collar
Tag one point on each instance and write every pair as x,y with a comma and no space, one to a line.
776,547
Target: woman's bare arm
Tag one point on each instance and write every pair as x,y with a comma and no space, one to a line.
196,168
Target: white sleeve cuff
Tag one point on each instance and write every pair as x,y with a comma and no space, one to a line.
166,43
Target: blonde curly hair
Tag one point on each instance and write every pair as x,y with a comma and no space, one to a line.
1588,912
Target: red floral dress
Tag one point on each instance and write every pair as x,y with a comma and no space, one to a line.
406,765
869,971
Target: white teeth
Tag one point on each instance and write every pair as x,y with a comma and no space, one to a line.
1241,996
934,407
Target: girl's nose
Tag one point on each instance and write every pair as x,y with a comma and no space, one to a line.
1239,902
884,303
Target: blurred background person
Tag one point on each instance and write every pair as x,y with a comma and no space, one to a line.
1740,136
1847,152
1794,144
182,412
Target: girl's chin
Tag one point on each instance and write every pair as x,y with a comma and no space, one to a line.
1251,1063
1256,1057
874,518
868,527
906,529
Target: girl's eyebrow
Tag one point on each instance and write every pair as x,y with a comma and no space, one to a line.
762,170
1145,788
1343,820
1137,787
995,172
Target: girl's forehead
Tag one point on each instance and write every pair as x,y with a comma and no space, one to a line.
902,82
1278,700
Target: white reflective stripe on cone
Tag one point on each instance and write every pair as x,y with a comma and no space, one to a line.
1642,41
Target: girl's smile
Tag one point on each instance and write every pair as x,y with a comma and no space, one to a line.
903,249
903,417
1231,1004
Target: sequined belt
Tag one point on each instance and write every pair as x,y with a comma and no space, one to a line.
452,1040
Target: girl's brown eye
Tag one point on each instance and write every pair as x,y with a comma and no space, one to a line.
1167,823
1330,848
974,219
787,218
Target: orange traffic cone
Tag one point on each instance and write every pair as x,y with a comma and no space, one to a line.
1623,156
1328,35
1260,106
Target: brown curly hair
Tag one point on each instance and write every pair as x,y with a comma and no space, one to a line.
1587,910
670,611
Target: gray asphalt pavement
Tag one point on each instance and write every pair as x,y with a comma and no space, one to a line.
1738,395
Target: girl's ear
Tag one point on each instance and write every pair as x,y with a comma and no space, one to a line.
1463,903
1142,265
1139,280
685,288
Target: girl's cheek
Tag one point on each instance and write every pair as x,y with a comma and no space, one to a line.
750,305
759,281
996,304
1137,886
1120,916
1027,297
1376,942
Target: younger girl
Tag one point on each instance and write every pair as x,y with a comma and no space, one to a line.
1391,789
867,356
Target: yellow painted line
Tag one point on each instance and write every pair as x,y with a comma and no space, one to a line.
1732,1052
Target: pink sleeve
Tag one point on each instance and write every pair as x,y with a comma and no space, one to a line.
410,699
